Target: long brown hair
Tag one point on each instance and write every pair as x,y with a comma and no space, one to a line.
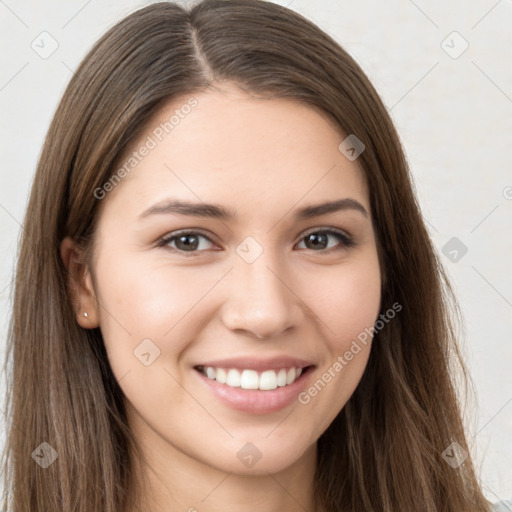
383,452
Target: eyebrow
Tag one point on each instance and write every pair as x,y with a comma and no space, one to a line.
215,211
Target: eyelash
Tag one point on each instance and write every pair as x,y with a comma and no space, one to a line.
347,242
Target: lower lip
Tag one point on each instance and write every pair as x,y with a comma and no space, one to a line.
256,401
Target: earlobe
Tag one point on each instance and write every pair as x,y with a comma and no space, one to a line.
79,284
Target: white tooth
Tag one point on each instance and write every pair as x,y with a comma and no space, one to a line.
290,377
268,380
221,375
281,377
233,378
249,379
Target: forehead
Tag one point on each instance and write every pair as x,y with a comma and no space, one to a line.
227,146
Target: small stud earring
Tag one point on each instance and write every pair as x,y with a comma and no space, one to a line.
85,314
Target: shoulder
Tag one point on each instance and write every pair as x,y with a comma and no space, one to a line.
502,506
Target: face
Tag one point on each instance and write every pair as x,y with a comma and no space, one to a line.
261,289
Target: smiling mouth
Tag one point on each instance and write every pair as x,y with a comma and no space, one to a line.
252,379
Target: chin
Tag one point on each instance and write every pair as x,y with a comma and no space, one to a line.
260,457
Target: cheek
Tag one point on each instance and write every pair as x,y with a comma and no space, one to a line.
348,310
141,302
349,303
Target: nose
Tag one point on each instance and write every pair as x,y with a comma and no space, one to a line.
261,300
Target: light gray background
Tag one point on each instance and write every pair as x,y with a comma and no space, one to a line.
453,111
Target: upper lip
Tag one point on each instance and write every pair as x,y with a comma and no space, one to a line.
251,363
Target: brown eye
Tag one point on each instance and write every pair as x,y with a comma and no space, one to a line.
189,243
318,240
186,241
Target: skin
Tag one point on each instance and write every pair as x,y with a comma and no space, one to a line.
262,158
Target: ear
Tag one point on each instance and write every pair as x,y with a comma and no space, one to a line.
80,284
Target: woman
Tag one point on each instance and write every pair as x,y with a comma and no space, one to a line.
226,296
